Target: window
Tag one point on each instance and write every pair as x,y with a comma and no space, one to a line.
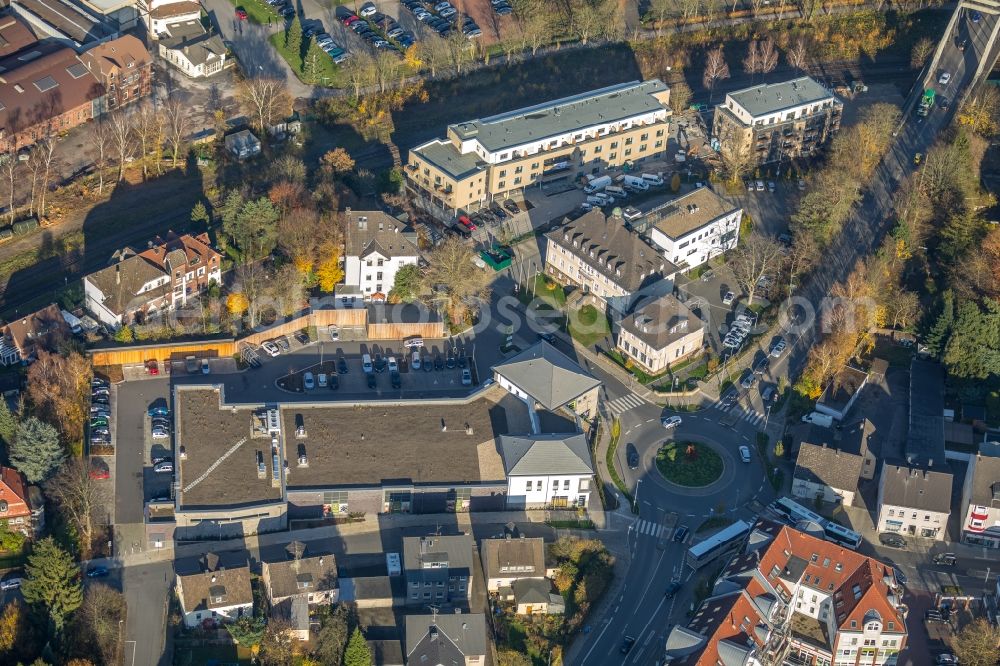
614,144
519,169
528,486
501,184
503,173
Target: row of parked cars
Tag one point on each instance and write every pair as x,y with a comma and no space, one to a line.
502,7
442,18
379,30
316,33
159,426
738,332
100,411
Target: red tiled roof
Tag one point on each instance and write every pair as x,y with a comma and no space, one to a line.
192,246
14,35
13,491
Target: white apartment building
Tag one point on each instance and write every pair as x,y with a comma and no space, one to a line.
981,498
547,470
914,501
694,228
376,247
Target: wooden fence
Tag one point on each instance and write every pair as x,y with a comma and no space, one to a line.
163,352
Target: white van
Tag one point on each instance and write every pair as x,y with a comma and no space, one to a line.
615,191
652,179
366,363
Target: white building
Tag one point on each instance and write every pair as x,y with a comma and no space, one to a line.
694,228
243,144
914,501
659,332
214,592
164,12
981,498
190,48
547,470
376,247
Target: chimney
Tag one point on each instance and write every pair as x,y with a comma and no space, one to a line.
118,274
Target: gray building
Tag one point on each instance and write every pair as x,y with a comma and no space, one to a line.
831,461
446,639
438,569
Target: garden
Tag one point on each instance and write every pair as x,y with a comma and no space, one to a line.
690,464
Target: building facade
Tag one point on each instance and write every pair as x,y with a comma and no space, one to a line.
16,507
659,332
438,569
547,471
981,498
20,339
914,501
485,159
163,13
376,247
124,67
831,461
162,277
778,121
693,228
189,47
214,592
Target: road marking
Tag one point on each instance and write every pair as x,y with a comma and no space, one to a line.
746,438
619,406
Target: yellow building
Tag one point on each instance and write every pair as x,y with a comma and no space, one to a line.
484,159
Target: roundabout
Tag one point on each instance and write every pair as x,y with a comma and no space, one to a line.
689,464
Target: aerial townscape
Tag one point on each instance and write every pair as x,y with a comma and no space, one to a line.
499,333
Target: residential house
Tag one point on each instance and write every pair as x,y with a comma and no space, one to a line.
21,339
535,596
914,501
693,228
162,277
489,158
841,393
981,498
312,577
509,559
189,47
446,639
789,597
124,68
545,378
606,260
243,144
777,121
659,332
18,508
831,461
438,569
376,246
215,591
46,91
547,471
165,13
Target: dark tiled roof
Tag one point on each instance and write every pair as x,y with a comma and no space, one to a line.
198,45
660,321
986,476
374,231
916,488
46,324
303,576
842,388
126,53
543,455
121,282
547,375
925,441
521,557
445,638
619,254
834,456
213,579
434,558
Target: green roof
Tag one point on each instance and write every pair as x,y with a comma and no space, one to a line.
771,98
534,123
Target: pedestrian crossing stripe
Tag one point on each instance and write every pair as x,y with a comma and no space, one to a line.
753,417
625,403
649,528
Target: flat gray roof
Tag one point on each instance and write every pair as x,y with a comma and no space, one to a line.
925,440
534,123
694,210
773,97
443,154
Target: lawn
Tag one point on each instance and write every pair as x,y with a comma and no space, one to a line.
257,11
688,464
588,325
329,73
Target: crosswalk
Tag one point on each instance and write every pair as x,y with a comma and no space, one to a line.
752,416
649,528
619,406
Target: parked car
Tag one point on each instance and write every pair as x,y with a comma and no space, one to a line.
393,366
379,363
287,12
427,363
946,559
512,206
332,382
342,368
438,362
745,454
466,222
283,343
466,377
415,360
321,380
308,381
761,366
97,572
372,382
933,615
944,78
632,456
160,433
152,367
205,368
779,348
241,14
10,584
158,410
271,348
946,658
163,467
728,298
748,380
976,17
627,644
99,471
670,422
161,458
368,9
729,399
892,540
451,362
395,380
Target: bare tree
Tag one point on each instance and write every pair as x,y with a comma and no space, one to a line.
11,168
758,256
122,139
798,55
659,10
360,69
922,50
716,69
751,63
46,151
768,56
736,152
76,494
251,281
803,254
35,165
177,121
147,124
265,101
100,141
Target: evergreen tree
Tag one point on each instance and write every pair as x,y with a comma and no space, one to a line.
312,64
973,349
199,213
8,423
937,337
357,653
52,581
36,451
293,36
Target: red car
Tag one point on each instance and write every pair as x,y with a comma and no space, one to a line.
100,472
466,222
152,367
241,14
351,19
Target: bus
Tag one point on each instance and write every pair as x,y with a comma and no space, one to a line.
840,535
721,544
793,512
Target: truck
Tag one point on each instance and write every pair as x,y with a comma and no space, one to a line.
926,102
597,184
636,182
817,418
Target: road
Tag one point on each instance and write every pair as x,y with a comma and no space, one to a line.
641,611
